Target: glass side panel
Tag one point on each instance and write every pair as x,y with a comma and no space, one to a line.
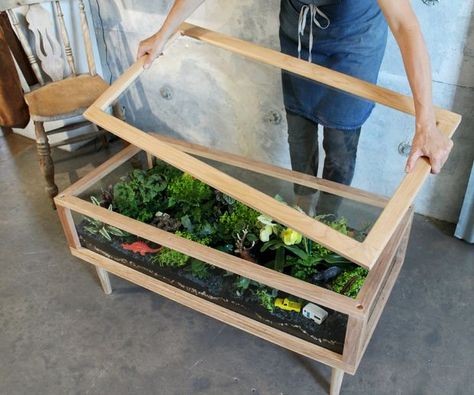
345,215
321,326
174,201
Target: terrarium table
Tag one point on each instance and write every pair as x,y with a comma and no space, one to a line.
381,250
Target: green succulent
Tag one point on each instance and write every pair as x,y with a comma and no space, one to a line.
96,227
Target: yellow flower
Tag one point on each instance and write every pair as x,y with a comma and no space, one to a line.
290,237
268,229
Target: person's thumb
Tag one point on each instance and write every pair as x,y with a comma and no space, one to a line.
414,156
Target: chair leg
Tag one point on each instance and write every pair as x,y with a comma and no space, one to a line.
45,160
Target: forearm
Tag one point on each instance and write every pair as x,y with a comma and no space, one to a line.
179,12
417,65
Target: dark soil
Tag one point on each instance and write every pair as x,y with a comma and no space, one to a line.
219,289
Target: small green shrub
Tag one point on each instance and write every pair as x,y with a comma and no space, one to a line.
140,196
172,258
266,299
233,222
188,190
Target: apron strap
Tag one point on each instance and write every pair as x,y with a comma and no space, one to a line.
314,11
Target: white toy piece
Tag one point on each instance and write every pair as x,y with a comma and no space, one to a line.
315,313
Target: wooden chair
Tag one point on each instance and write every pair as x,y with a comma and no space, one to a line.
59,95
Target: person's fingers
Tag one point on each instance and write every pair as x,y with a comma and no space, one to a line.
414,155
436,165
141,51
149,60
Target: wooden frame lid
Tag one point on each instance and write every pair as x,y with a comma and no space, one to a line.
363,253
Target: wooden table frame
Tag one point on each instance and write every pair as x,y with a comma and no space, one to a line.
382,251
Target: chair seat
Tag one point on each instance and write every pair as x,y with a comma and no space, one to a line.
65,98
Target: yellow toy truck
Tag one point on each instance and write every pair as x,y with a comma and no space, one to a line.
287,304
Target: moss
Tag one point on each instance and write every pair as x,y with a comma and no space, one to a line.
187,189
349,283
173,258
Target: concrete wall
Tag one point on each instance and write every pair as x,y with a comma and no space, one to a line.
209,96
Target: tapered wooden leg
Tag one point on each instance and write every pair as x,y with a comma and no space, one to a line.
45,160
104,280
336,381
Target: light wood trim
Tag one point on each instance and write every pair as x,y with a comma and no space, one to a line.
100,171
120,85
210,309
384,294
398,205
373,283
65,38
26,47
217,258
353,341
87,39
280,212
337,375
69,227
126,79
312,71
321,184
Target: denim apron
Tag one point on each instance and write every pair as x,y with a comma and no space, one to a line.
349,36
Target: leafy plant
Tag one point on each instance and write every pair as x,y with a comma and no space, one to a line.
199,269
95,227
266,298
188,191
242,284
240,218
192,202
350,282
139,197
173,258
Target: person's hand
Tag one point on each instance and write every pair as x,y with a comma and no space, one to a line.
429,142
151,46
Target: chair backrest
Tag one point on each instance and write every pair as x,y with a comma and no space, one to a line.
47,46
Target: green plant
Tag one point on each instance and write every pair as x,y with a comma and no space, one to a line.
192,202
242,284
96,227
199,269
266,298
350,282
188,191
140,196
237,219
173,258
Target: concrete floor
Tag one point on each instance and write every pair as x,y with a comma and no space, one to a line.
59,334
